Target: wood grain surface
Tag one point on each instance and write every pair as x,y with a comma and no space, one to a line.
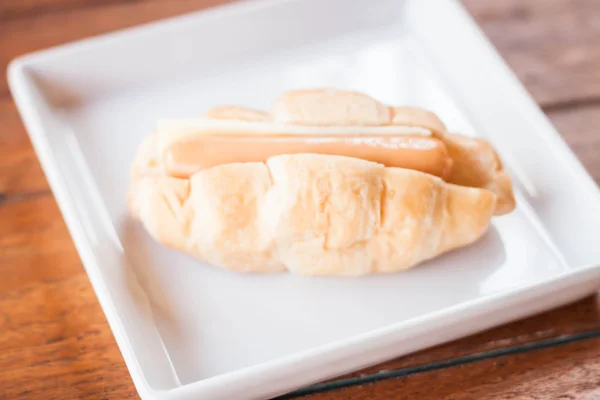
54,340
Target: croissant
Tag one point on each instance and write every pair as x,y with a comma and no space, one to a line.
329,182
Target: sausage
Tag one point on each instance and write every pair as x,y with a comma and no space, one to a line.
190,154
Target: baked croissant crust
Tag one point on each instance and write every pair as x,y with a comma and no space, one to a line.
319,214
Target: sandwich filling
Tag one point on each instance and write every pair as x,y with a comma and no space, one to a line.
236,134
188,155
323,122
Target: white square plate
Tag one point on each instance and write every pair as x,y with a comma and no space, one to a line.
190,331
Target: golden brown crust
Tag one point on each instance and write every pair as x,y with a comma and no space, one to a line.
320,214
312,214
476,164
325,107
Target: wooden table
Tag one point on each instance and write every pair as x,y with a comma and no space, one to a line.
54,340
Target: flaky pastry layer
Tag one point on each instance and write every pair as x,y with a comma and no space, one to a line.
311,214
315,214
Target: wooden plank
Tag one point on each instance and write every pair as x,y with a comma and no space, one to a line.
51,325
579,127
550,44
20,171
562,372
486,10
54,340
55,344
34,243
12,9
24,35
573,318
